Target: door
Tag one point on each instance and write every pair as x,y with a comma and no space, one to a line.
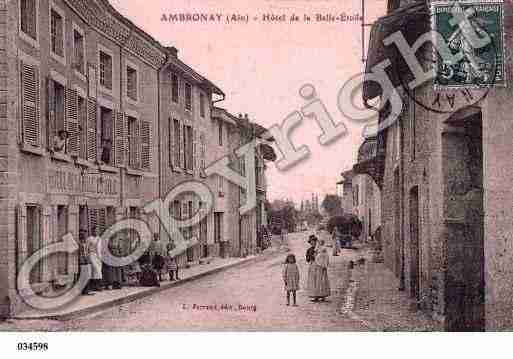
464,235
203,237
414,244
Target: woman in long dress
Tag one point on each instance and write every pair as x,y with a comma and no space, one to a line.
318,282
322,287
310,260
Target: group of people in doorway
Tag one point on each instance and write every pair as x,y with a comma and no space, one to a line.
149,270
318,284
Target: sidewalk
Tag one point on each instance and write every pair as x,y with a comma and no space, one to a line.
85,305
381,306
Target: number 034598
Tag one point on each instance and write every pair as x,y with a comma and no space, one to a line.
33,347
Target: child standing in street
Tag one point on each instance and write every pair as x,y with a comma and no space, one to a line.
171,265
291,278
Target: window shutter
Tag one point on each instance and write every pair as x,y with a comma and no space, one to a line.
91,130
175,145
72,121
134,145
170,145
50,98
83,133
93,219
202,154
120,138
145,145
182,147
30,104
194,150
102,220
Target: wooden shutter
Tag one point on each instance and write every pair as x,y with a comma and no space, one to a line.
170,144
92,214
83,133
72,122
194,150
102,220
176,144
134,144
50,98
91,130
120,138
30,104
182,147
145,145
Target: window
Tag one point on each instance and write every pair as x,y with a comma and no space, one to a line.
220,132
56,33
174,88
56,119
218,221
133,238
202,105
177,142
170,141
28,18
177,210
188,147
78,52
106,135
203,152
33,230
190,212
62,229
105,70
220,185
82,134
133,142
185,152
188,96
131,83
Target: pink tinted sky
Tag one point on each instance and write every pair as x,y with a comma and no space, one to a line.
261,66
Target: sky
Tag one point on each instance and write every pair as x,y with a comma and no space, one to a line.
262,65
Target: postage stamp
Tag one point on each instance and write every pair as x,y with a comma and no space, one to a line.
481,44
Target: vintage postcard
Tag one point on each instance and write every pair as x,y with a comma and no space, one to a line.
263,166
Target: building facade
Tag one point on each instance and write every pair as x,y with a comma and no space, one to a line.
98,119
446,197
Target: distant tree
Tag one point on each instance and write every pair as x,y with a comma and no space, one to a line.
283,214
332,204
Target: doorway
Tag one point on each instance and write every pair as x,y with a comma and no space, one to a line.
462,146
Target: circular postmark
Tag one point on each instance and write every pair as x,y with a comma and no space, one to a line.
472,33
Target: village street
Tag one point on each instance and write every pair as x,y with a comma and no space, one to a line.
212,302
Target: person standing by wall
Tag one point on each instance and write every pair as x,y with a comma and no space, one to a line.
95,260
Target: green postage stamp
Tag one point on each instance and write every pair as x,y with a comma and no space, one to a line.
474,29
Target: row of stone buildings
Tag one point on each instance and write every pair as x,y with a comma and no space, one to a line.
444,172
139,121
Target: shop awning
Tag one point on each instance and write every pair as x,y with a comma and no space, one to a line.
413,21
374,167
